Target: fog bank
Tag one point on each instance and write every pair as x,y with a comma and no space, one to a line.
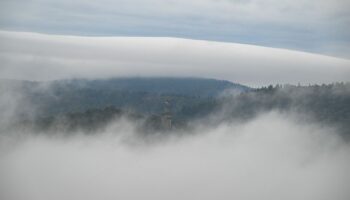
270,157
32,56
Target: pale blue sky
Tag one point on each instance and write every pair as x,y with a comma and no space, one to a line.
319,26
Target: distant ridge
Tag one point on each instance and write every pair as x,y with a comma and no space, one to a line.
143,95
189,86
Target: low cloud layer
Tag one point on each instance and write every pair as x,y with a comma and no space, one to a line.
44,57
271,157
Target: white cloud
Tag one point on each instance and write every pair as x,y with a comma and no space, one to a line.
42,57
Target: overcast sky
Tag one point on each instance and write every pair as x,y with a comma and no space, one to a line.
320,26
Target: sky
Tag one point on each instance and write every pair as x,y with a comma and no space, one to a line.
318,26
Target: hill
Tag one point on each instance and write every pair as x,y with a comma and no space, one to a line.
91,104
142,95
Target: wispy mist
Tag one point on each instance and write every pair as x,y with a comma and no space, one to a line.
270,157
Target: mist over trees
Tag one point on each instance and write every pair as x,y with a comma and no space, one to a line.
190,138
328,104
72,105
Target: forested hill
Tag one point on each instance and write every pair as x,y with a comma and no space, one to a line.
85,103
199,87
142,95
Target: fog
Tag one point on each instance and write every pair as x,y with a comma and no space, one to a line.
273,156
23,55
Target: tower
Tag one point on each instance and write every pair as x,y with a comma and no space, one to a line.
166,115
